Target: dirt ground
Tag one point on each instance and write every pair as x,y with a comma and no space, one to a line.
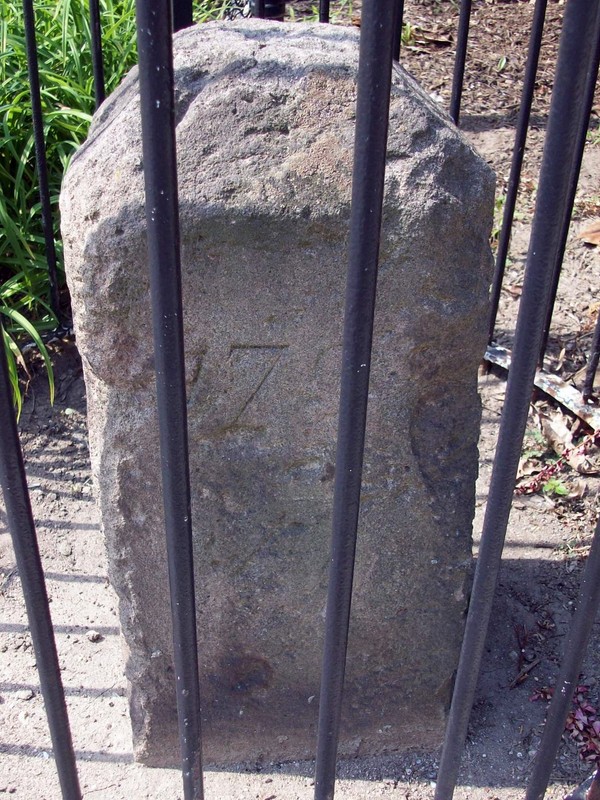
547,540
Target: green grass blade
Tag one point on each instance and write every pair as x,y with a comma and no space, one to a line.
11,359
23,322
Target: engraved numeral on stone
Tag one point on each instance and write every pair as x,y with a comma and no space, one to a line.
251,367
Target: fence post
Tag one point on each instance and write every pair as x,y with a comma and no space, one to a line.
22,529
576,47
587,103
162,217
268,9
96,44
398,22
40,154
182,14
535,41
372,116
579,633
462,40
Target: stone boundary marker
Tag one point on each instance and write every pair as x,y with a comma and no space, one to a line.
265,134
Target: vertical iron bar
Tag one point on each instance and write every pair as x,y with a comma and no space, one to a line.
372,115
398,22
22,529
268,9
535,41
97,63
40,154
460,59
162,215
323,10
257,8
587,102
182,14
574,651
574,55
592,367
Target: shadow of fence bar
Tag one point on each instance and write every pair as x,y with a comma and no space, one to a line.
572,98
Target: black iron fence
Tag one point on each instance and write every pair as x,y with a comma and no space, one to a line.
574,85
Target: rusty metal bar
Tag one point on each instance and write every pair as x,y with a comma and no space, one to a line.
592,366
588,790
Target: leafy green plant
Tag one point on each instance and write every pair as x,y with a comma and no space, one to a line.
210,10
17,325
66,79
593,134
408,34
499,204
556,487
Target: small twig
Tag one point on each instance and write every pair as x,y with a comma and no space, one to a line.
523,673
522,635
101,788
7,578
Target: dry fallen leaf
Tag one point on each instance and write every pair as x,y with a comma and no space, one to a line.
514,290
578,490
432,37
528,466
591,233
582,464
556,431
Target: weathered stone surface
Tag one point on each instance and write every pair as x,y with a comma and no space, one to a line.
265,134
